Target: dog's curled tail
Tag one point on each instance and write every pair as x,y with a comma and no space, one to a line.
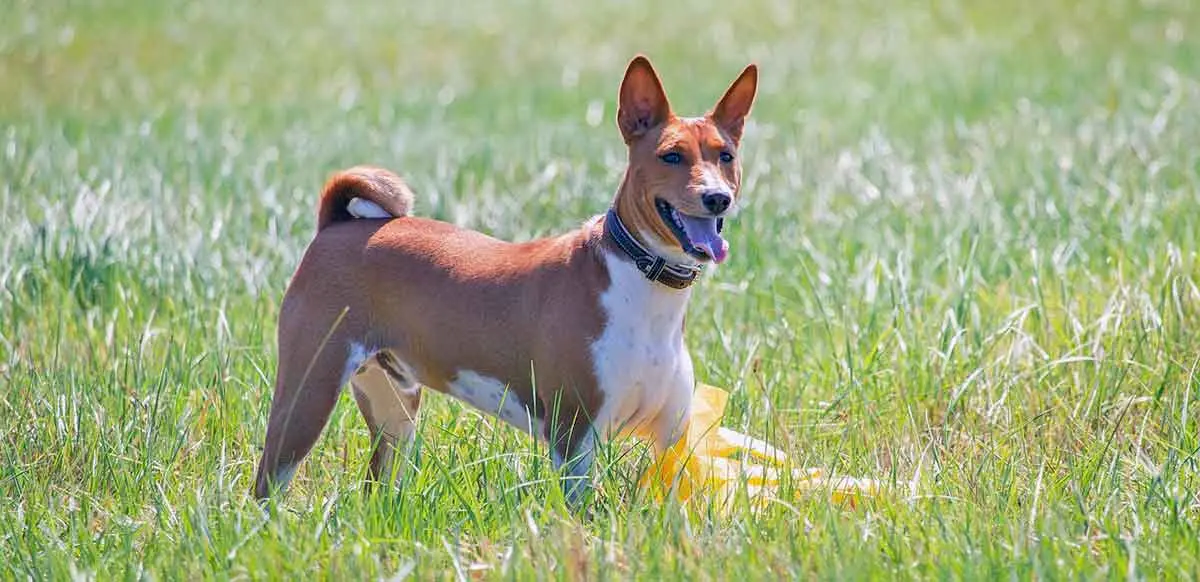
363,192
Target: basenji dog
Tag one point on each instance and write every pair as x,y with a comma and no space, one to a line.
571,338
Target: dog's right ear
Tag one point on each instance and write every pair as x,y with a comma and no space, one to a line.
642,103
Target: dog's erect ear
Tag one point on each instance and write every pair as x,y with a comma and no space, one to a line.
642,103
731,111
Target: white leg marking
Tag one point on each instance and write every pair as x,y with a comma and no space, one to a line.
577,469
363,208
283,476
493,396
358,354
676,413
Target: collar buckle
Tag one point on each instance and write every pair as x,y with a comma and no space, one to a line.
654,267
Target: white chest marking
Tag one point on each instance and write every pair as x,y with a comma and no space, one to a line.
493,397
642,365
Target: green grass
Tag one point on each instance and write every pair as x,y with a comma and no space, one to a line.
967,259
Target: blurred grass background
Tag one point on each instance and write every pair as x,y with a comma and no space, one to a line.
967,259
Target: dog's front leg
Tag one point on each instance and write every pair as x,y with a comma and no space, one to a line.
574,457
673,420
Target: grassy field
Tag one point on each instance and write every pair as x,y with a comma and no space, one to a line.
967,266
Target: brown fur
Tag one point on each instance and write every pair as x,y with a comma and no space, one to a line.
376,282
369,183
651,130
430,299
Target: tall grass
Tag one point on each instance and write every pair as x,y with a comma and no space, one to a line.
966,265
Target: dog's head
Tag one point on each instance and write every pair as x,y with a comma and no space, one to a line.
684,172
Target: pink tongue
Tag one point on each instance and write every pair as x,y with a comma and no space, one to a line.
703,234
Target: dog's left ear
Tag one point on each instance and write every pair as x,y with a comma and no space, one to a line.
731,111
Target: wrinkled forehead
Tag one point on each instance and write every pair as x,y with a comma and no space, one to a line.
693,132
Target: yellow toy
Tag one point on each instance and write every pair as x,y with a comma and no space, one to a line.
715,462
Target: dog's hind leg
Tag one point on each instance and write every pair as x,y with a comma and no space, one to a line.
311,373
389,398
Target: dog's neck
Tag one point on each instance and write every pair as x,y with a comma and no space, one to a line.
637,302
651,265
626,225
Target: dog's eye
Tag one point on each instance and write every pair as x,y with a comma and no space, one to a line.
726,157
672,158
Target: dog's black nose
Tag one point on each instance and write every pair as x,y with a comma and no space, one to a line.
716,202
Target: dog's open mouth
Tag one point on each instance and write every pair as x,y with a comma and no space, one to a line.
700,237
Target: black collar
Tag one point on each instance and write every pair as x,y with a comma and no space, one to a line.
654,267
